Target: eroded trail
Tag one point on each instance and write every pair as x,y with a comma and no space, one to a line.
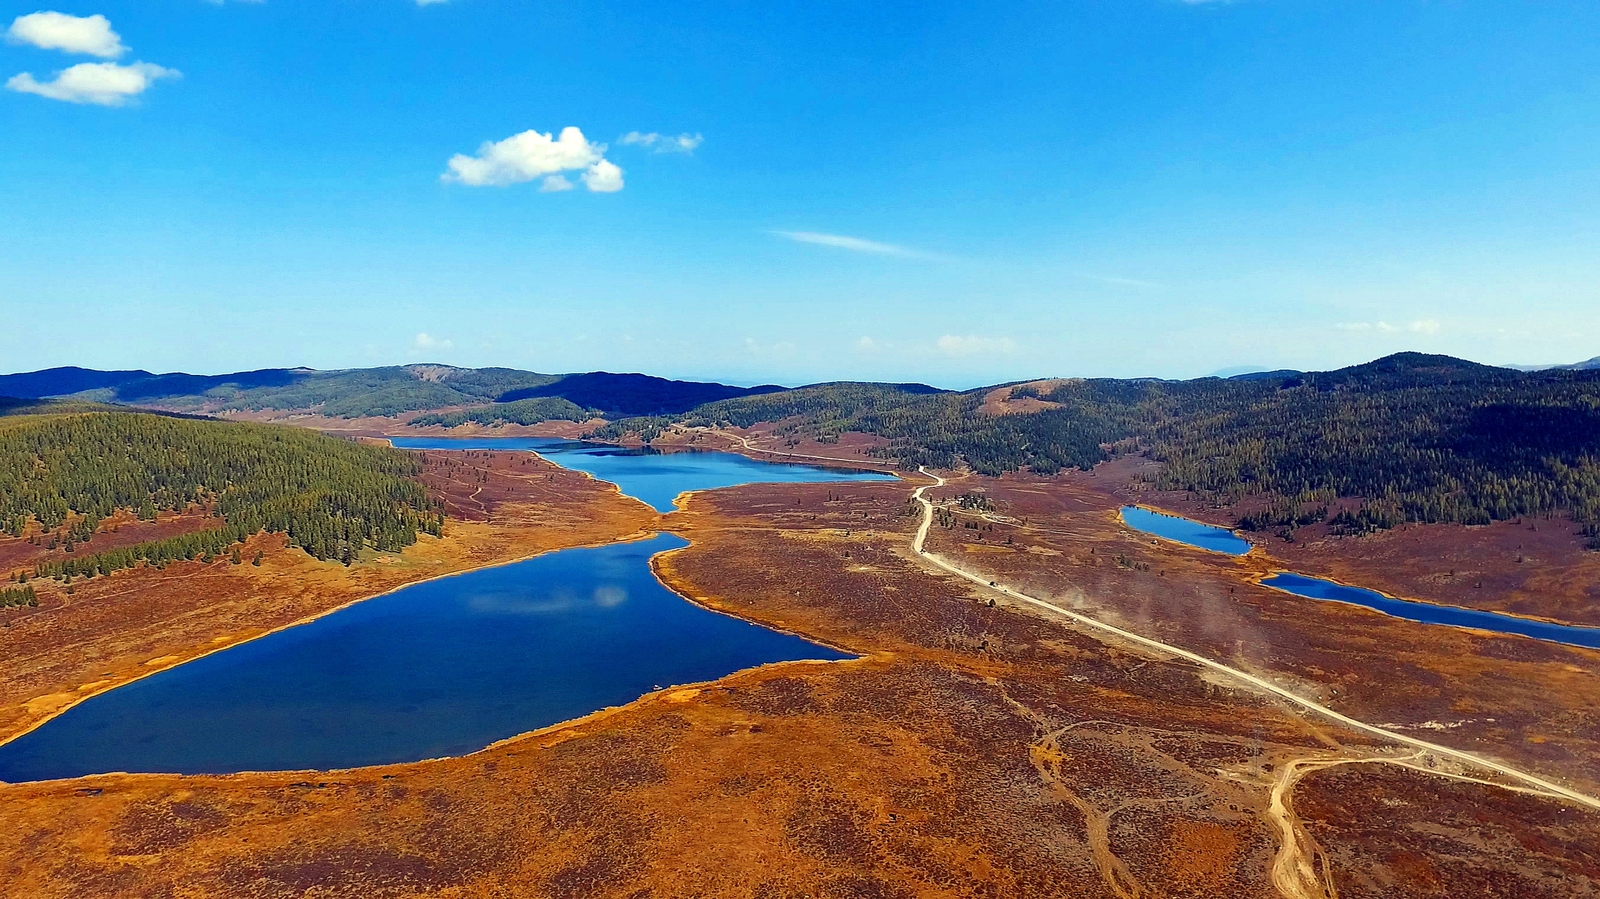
1299,869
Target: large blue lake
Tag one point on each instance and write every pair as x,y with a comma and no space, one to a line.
440,668
655,477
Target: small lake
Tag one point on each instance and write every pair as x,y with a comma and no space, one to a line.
1183,530
441,668
1430,613
652,476
1205,536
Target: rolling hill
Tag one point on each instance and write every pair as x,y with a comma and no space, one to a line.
1413,437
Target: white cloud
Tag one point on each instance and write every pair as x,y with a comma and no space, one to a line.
532,154
952,345
783,349
855,244
430,2
866,344
1420,326
1121,282
91,35
663,143
426,341
101,83
603,177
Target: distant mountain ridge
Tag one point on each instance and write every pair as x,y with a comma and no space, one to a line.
391,390
1585,365
634,394
62,381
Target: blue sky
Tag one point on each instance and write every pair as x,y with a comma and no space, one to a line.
957,193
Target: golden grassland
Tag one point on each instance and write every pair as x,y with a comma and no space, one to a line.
972,750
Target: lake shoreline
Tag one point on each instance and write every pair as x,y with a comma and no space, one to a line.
223,647
651,564
506,543
1171,535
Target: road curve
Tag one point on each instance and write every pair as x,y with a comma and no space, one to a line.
1534,782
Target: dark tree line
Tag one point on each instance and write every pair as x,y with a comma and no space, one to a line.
517,412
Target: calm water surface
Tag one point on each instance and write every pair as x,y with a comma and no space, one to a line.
1430,613
1204,536
655,477
439,668
1183,530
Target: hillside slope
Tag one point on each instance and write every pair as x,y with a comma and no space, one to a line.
332,497
1412,436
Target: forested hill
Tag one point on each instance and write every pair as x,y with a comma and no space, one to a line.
332,497
1418,437
632,394
62,381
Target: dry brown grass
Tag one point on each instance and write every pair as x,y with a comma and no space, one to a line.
974,750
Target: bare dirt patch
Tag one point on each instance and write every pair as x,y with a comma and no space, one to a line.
1003,401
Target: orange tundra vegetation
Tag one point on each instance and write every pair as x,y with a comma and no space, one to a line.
974,749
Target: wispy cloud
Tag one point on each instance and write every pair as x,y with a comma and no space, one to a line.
1121,282
970,345
426,341
98,83
854,244
1420,326
663,143
782,349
